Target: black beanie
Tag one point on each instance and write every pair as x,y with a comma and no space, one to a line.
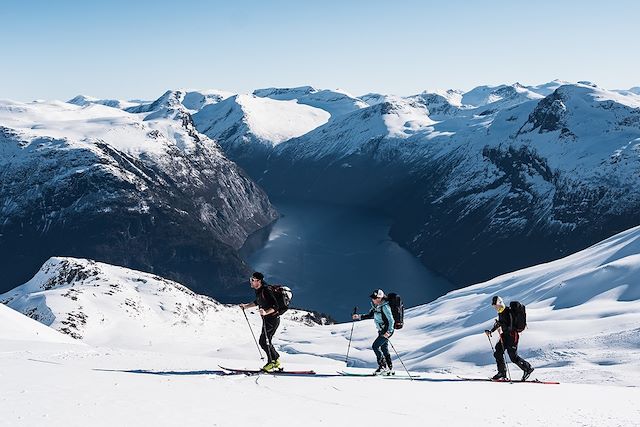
258,275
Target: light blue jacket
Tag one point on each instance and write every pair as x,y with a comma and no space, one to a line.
382,316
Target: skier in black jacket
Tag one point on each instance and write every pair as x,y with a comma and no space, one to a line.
268,305
508,339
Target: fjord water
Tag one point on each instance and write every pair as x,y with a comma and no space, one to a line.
334,256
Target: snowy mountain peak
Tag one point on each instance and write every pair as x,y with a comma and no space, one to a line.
396,118
285,94
84,299
485,95
195,100
241,117
83,101
170,100
452,96
102,304
335,102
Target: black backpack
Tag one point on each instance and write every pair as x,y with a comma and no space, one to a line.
518,316
283,297
397,309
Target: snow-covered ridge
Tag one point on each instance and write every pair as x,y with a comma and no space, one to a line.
395,119
79,125
102,304
336,102
241,117
83,100
191,100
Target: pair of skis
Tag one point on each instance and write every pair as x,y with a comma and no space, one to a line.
260,371
394,375
505,380
233,371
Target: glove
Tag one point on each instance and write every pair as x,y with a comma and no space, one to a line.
356,317
488,332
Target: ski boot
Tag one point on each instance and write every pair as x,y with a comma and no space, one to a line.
390,370
272,366
382,370
500,376
527,373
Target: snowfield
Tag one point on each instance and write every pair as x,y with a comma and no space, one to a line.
151,351
61,386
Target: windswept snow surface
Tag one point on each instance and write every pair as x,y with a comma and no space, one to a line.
583,315
17,327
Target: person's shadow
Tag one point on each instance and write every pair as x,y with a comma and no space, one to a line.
148,372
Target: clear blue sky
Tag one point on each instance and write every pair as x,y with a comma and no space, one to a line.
55,49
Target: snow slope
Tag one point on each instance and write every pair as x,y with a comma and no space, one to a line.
18,327
583,315
106,387
266,120
335,102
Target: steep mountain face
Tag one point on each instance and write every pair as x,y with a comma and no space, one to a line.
516,181
102,304
352,159
145,191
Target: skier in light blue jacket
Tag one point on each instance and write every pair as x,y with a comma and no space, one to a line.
383,318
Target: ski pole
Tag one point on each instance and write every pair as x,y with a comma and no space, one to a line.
400,359
490,343
346,361
252,334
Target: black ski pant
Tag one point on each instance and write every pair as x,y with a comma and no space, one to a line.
510,342
269,326
381,349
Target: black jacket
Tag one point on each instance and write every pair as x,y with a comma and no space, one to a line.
266,300
505,321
